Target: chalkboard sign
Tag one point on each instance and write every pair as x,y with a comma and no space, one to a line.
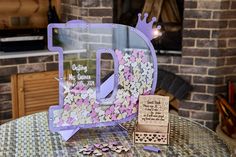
153,110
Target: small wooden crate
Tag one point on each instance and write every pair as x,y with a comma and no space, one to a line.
152,128
153,136
153,120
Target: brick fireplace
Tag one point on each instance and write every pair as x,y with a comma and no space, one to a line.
207,62
208,57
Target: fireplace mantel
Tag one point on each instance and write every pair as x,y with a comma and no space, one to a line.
22,54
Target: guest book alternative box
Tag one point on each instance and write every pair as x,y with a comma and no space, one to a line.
153,120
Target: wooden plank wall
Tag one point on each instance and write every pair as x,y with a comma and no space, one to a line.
17,14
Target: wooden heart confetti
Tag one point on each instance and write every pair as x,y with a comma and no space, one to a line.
97,153
81,150
97,149
87,152
105,145
118,150
126,149
105,149
97,145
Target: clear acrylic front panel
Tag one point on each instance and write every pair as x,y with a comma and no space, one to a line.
106,67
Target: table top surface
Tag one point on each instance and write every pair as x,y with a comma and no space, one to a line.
30,136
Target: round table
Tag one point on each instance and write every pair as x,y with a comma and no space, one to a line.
30,136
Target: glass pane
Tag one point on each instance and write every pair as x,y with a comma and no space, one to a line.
130,69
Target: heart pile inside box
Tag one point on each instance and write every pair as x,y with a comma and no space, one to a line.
153,120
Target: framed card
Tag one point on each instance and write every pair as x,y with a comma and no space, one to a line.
153,110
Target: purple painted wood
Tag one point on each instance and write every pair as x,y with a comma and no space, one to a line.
70,130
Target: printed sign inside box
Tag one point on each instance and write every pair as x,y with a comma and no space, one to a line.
153,110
